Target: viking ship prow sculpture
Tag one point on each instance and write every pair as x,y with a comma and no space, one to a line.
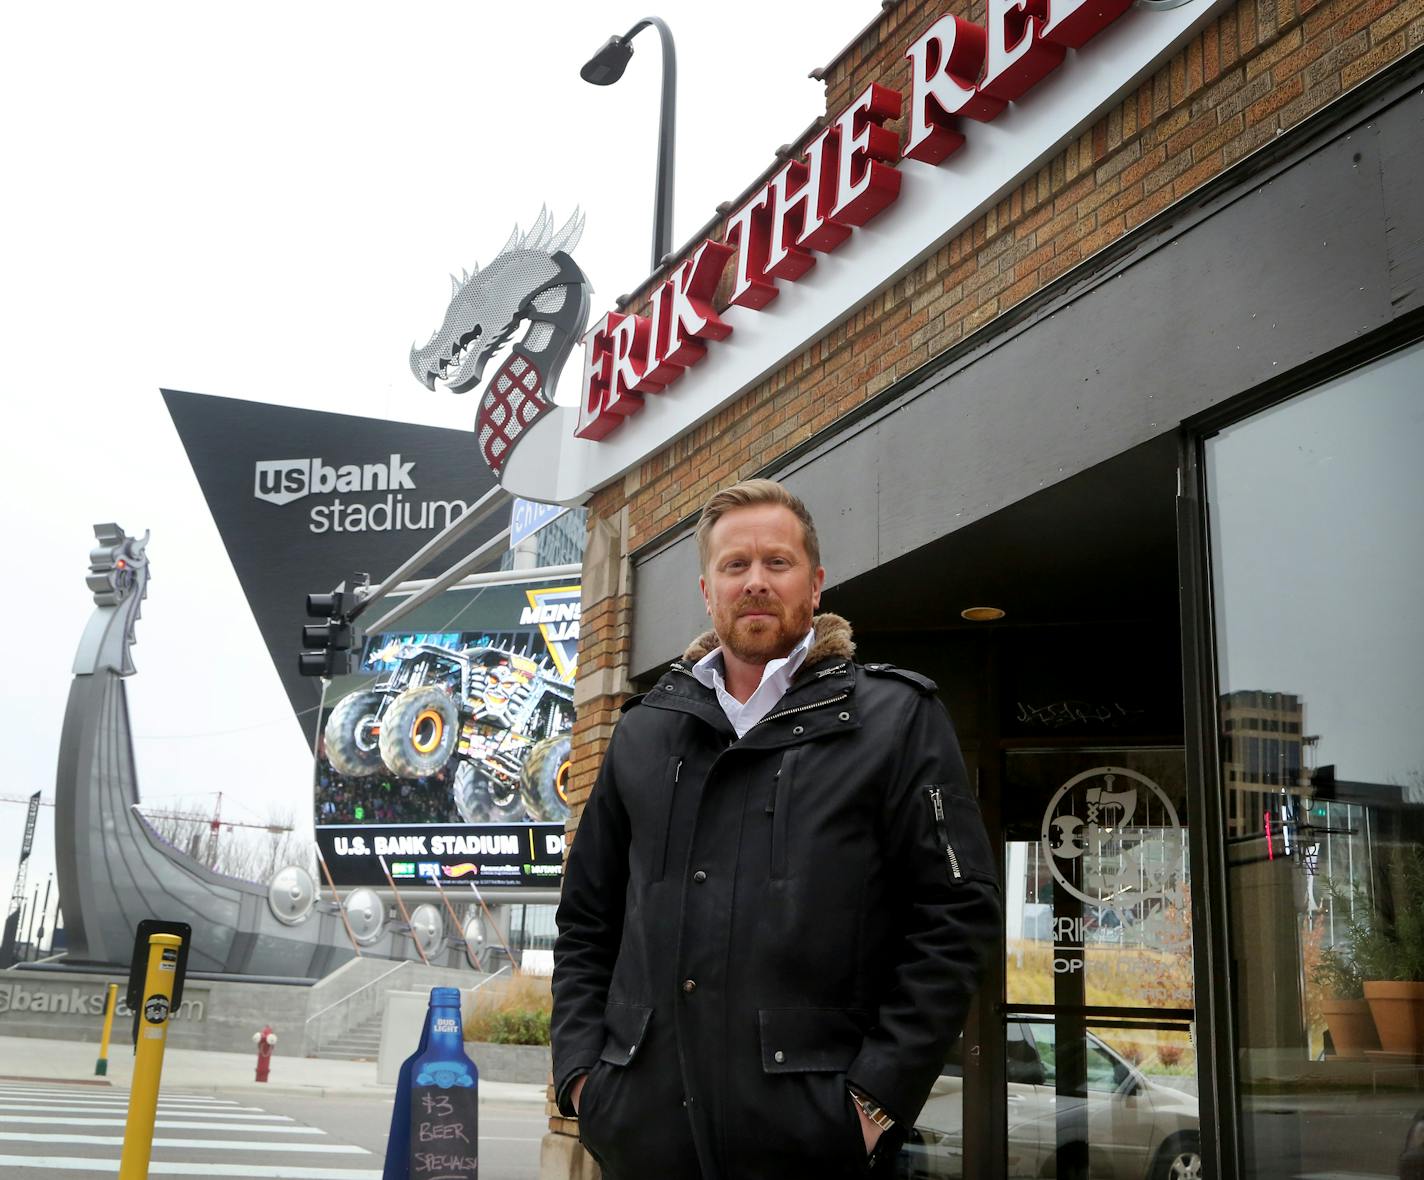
114,870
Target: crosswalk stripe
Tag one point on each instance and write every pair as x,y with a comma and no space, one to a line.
166,1124
110,1095
121,1102
122,1107
205,1144
107,1088
164,1168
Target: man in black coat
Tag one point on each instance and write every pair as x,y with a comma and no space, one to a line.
780,892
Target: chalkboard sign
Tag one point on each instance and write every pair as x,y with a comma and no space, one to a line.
435,1123
444,1133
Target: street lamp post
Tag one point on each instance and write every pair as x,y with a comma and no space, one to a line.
603,69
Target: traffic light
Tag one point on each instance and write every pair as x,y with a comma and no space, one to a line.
326,646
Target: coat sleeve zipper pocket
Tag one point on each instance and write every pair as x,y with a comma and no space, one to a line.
937,802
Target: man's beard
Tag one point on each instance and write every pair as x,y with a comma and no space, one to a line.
760,640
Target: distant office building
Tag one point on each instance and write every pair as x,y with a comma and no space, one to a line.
1262,747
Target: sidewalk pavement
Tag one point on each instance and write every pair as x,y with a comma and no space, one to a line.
34,1059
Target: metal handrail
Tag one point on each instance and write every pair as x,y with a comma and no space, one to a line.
359,990
493,976
346,999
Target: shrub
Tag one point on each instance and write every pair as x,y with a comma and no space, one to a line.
1338,976
1388,940
517,1028
1170,1055
511,1010
1134,1052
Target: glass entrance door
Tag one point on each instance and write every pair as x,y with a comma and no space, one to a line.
1100,1073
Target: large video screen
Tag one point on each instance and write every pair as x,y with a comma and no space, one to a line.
446,752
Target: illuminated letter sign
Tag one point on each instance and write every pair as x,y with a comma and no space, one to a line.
846,175
985,104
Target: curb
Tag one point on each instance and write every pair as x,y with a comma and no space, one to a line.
517,1093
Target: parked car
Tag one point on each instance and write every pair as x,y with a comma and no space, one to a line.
1136,1127
1411,1161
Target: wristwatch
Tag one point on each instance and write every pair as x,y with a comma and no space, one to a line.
872,1111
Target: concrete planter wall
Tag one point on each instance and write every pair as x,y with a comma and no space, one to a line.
510,1063
215,1013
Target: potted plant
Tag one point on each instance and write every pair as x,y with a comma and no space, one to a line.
1388,945
1343,1005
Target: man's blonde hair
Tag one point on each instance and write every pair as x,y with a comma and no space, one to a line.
746,494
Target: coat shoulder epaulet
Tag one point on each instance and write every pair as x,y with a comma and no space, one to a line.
923,683
632,702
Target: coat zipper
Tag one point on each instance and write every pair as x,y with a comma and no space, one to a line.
788,712
937,802
804,708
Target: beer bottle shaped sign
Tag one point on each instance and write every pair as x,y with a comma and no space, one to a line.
435,1124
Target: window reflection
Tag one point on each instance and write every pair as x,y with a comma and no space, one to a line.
1317,565
1135,1118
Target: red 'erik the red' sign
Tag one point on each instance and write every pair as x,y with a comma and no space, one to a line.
846,175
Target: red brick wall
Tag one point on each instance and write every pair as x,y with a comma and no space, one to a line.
1258,69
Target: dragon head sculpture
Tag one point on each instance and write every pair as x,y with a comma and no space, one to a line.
118,579
531,280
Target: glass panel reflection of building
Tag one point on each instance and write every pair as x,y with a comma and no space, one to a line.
1321,762
1261,742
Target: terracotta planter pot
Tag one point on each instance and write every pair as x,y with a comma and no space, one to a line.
1398,1009
1352,1028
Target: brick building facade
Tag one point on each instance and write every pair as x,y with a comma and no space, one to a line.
1224,130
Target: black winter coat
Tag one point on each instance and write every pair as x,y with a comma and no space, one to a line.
748,926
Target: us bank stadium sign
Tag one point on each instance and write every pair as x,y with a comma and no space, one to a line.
987,105
22,1000
282,481
486,856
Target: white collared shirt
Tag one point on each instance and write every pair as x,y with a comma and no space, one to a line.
775,680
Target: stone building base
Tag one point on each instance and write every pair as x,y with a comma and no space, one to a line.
562,1157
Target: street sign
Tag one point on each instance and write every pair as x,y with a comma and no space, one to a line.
529,517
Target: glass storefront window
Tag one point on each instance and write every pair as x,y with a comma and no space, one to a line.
1317,558
1100,1068
1100,899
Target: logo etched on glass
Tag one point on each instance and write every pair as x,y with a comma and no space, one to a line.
1112,838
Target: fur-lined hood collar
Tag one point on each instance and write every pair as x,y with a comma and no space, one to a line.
833,638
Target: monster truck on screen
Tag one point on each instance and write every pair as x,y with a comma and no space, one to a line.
504,717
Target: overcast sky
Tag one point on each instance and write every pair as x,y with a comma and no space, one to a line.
1315,517
263,202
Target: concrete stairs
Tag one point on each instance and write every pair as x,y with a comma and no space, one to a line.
359,1043
345,1010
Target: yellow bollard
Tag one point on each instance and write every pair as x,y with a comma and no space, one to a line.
101,1067
148,1055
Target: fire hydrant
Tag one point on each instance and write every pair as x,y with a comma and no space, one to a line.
265,1040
